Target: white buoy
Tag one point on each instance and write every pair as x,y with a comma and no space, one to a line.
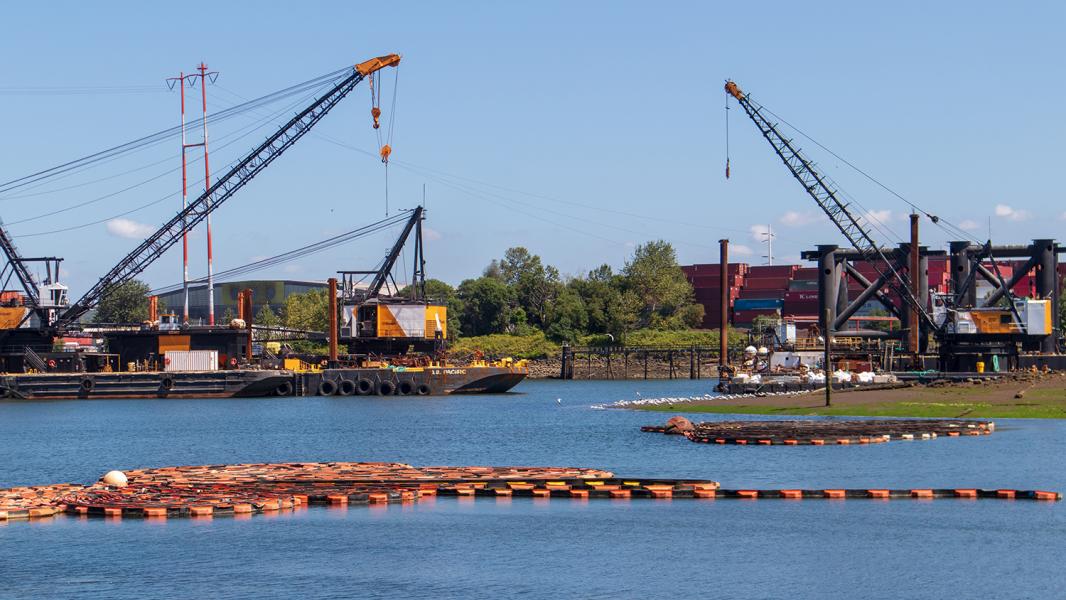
115,479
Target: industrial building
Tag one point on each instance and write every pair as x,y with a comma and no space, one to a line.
264,291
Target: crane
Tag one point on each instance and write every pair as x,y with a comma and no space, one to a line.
384,273
828,199
223,188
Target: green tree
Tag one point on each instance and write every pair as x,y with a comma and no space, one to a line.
609,309
125,303
535,285
567,317
308,311
664,296
228,315
266,317
486,306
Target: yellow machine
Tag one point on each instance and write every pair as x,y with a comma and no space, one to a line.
1033,318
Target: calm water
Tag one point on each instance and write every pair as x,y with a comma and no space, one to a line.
525,547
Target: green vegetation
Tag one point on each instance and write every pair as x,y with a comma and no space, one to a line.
530,346
976,410
519,295
126,303
537,344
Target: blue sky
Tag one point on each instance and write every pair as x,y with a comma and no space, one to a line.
575,129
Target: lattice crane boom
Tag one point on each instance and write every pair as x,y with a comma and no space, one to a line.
18,266
224,187
829,201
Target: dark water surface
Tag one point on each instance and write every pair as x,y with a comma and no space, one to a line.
525,547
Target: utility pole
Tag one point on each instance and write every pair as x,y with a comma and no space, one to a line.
769,239
723,327
828,361
204,75
180,82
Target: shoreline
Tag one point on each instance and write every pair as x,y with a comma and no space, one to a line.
1023,396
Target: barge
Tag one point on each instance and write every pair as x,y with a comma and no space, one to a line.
255,383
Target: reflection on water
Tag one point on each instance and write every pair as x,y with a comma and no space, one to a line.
536,548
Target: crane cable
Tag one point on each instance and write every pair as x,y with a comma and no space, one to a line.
936,220
384,142
727,135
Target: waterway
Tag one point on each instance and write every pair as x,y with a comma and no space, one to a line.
524,547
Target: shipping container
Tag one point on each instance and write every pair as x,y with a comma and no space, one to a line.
803,284
191,360
766,283
773,271
706,281
778,294
806,273
745,304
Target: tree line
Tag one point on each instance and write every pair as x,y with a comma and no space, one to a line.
519,294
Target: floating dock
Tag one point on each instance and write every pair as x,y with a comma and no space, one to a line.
242,490
820,433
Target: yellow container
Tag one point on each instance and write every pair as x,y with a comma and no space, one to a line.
980,366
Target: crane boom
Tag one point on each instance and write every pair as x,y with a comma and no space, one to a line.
382,274
829,201
240,174
18,266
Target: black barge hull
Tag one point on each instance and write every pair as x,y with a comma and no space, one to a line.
99,386
429,381
240,383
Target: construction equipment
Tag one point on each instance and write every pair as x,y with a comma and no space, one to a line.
373,322
61,317
960,329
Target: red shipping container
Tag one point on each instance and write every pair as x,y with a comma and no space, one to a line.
772,271
766,283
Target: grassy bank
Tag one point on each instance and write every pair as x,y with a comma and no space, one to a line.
897,409
536,345
1037,398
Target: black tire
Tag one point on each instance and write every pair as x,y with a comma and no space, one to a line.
346,387
87,384
405,388
284,389
328,387
386,388
167,383
364,387
423,389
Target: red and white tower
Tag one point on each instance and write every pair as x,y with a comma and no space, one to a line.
204,76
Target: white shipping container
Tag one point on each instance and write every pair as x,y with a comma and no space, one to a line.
191,360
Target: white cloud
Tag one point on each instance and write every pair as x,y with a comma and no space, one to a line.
291,269
740,250
878,216
794,218
431,235
1007,212
126,228
1062,217
969,225
759,232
